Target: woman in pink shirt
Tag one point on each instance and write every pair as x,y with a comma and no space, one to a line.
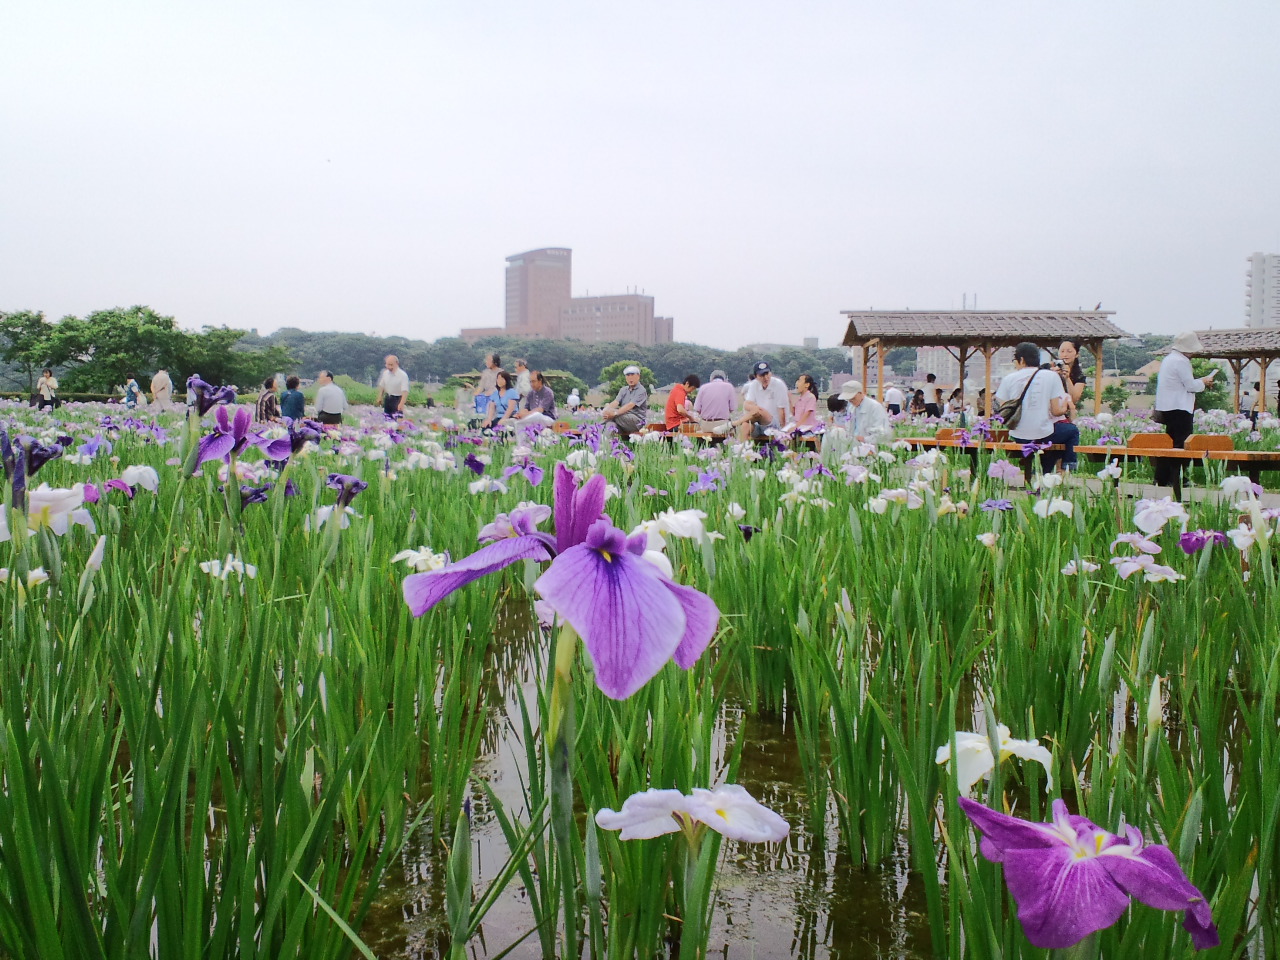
805,409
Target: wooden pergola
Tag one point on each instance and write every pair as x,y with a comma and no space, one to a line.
1239,346
965,333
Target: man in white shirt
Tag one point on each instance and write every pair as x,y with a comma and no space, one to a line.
331,401
393,387
765,403
1044,398
868,421
1176,389
523,381
894,400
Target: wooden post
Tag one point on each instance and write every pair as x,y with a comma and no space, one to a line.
865,348
987,351
1097,376
1263,363
879,374
1237,367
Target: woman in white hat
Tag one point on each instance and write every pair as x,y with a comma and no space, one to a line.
1176,389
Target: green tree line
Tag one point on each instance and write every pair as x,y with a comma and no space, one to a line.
98,352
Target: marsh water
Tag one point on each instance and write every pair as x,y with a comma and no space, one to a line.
802,898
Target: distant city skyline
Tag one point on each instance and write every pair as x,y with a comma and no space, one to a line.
756,168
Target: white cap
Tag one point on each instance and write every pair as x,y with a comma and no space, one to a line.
851,389
631,369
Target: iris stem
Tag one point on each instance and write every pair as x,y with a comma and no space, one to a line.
560,738
1086,949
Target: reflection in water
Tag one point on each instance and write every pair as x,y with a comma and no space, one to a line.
793,899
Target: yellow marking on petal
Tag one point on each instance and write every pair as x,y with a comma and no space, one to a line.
608,557
1099,840
723,814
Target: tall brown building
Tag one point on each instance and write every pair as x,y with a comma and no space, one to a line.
540,306
538,288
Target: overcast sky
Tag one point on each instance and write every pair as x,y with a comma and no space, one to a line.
756,166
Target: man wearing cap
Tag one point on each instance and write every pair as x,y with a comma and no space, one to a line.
868,420
627,409
765,402
716,402
1176,389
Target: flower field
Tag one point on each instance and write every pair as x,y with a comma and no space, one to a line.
268,693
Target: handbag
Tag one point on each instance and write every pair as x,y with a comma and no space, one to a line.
1010,411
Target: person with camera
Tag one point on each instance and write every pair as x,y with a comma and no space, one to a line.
1176,389
1065,432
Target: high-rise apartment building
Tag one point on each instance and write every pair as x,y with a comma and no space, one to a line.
1262,291
539,284
539,305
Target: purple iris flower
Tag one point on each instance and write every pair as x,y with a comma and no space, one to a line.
300,431
38,454
508,539
513,537
472,463
346,485
990,505
91,493
1032,448
21,459
706,483
631,618
93,445
1070,877
209,396
526,468
250,494
1110,438
818,470
748,531
1194,540
120,485
229,437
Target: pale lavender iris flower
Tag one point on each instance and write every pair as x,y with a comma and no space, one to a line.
1071,878
631,617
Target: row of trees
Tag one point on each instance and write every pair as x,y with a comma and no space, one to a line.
360,356
98,352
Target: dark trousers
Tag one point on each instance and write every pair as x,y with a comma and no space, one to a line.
1177,424
390,405
1067,434
1029,463
329,419
932,410
893,408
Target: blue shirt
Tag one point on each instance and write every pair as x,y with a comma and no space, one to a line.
501,401
293,404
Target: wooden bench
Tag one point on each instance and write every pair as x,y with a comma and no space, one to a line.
1140,446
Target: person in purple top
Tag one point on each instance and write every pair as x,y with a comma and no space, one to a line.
715,403
539,403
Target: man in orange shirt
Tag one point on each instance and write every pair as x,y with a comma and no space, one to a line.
679,408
